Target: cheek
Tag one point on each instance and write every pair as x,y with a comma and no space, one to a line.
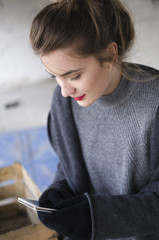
91,81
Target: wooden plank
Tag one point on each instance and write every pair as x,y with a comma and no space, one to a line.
32,216
31,232
6,173
8,191
15,222
30,187
11,172
11,214
22,180
8,211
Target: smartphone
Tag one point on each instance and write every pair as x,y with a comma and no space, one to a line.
33,204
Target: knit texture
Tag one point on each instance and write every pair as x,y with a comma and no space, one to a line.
114,135
110,151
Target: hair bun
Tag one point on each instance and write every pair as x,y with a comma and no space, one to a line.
90,25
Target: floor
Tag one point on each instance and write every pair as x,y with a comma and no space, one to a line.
23,111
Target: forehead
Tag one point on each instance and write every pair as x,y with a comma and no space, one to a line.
62,60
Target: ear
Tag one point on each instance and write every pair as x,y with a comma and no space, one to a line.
112,51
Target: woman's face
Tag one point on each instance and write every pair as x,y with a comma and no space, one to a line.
83,79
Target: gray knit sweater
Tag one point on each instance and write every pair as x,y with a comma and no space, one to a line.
109,151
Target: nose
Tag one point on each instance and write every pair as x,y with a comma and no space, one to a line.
67,90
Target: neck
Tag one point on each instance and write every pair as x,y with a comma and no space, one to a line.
115,80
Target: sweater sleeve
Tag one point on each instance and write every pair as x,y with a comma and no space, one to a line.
130,215
64,139
59,183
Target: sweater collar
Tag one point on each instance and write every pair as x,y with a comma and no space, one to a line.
119,95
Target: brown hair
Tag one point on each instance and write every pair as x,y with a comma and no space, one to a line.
89,25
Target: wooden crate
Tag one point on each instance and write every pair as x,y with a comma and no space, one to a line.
17,221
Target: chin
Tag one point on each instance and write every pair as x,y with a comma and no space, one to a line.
85,103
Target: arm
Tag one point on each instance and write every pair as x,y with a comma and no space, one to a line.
59,183
64,139
66,191
73,216
124,216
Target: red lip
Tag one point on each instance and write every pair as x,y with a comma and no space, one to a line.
79,98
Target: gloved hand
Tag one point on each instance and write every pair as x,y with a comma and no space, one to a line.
52,196
73,218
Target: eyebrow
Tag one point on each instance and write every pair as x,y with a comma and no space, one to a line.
67,73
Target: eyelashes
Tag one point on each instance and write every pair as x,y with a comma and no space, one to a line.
52,76
74,78
77,77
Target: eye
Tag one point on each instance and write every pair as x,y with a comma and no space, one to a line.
77,77
52,76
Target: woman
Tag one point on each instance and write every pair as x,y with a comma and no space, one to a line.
103,123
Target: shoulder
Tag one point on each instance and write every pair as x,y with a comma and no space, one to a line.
149,78
140,69
149,70
141,73
60,103
146,83
144,97
57,94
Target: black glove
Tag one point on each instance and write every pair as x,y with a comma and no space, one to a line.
73,218
52,198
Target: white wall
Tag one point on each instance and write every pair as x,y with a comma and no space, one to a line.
146,18
19,66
